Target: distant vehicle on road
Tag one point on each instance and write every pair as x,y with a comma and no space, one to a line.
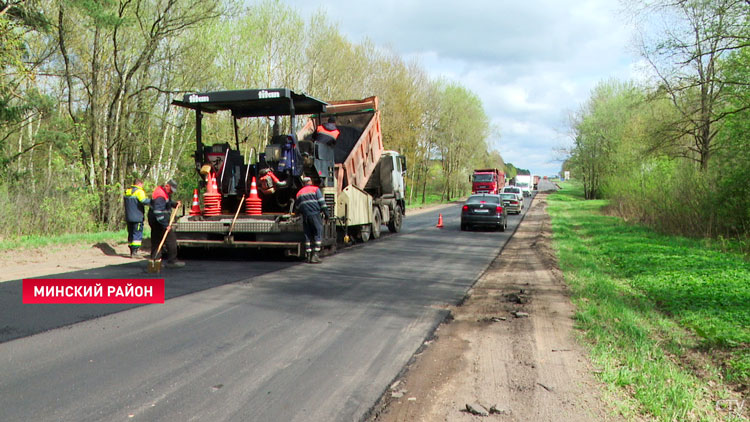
484,210
516,191
487,181
536,182
511,203
524,181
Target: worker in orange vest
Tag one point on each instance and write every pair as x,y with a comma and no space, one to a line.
158,218
327,132
310,203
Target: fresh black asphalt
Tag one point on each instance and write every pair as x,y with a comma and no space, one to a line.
243,340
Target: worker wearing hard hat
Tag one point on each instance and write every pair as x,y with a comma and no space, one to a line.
135,200
158,218
310,203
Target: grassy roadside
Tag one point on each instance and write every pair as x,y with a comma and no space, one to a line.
430,199
667,318
31,242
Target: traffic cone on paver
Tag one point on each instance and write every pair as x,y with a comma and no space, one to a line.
253,203
212,198
196,208
440,221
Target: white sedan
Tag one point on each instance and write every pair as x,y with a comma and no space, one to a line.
515,190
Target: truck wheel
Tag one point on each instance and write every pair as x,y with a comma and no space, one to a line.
376,222
364,233
394,225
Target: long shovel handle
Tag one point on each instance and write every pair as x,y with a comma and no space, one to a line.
235,215
169,227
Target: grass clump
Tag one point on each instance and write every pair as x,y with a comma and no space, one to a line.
668,318
40,241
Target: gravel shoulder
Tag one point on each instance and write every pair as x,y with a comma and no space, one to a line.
509,348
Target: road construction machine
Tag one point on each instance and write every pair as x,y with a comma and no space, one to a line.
251,204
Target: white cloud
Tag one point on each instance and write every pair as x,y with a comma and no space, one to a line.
530,62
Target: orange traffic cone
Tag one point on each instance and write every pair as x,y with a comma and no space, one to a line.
211,198
196,208
253,203
440,221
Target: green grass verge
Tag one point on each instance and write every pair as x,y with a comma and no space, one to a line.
667,318
30,242
430,199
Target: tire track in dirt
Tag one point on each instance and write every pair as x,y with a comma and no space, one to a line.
529,367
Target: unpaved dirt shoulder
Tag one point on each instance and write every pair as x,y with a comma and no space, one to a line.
38,262
529,368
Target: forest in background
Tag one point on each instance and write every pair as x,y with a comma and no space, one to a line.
673,151
86,87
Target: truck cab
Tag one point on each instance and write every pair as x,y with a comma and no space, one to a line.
524,182
487,181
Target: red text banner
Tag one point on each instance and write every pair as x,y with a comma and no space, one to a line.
79,291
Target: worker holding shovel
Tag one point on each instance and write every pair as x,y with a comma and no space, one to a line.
160,217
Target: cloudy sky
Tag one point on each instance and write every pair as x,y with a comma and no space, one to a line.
531,62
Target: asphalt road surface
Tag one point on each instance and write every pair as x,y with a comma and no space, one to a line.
238,340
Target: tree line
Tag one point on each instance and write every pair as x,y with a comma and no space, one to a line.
674,152
86,88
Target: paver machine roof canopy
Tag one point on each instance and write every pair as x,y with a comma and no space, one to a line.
245,103
253,102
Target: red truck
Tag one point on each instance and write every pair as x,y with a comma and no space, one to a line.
487,181
536,182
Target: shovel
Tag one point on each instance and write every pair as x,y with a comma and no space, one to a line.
235,216
154,265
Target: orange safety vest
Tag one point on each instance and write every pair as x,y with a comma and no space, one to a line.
325,135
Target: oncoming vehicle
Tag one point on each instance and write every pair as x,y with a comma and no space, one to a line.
484,210
511,203
516,191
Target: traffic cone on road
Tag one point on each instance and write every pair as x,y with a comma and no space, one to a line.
196,208
440,221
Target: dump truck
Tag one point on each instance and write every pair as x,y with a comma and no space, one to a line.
363,185
369,180
487,181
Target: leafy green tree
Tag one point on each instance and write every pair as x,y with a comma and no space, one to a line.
461,138
108,51
599,131
686,57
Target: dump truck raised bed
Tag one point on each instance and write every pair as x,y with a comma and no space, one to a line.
351,174
369,181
